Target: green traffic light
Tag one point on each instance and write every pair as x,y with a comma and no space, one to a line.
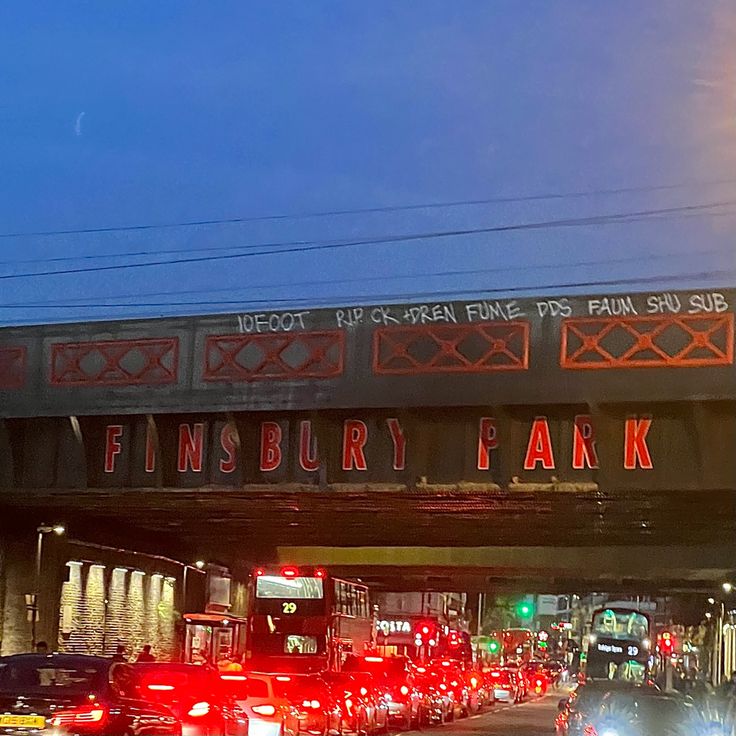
524,609
493,646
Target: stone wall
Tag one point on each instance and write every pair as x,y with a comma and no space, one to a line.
102,607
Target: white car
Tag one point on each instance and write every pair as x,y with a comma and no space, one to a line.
269,714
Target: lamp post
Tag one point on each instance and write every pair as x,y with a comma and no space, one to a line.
718,638
41,531
199,566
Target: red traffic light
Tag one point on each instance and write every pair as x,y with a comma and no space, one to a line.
666,642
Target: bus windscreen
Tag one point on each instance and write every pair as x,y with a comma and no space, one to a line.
621,625
296,588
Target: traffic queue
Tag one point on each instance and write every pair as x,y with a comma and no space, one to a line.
303,662
78,694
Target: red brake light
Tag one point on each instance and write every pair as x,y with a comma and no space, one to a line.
289,572
234,678
91,714
314,704
539,683
374,659
259,572
445,662
363,691
495,674
283,678
199,709
320,572
404,690
161,688
421,670
264,710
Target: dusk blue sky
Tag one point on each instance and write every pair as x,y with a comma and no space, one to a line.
131,113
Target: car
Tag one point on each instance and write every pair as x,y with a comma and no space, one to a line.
195,694
536,677
74,693
269,714
577,710
363,703
435,704
647,712
480,694
318,710
395,675
505,684
456,684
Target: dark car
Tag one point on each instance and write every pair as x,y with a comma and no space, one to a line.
394,676
196,695
363,704
75,694
646,712
577,711
319,711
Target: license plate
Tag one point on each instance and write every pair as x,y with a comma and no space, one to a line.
9,721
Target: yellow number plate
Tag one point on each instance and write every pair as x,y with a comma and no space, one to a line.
8,721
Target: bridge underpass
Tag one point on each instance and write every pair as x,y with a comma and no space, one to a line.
578,450
474,540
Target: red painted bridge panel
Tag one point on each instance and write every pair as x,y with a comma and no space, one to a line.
482,347
12,367
682,341
146,361
293,355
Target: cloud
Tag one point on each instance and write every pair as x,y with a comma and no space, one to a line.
78,124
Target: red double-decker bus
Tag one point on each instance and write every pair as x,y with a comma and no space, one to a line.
305,620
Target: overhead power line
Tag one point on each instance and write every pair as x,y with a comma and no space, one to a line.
605,219
242,248
400,297
79,301
371,210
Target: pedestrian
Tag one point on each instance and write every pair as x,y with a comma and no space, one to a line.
145,655
42,647
119,655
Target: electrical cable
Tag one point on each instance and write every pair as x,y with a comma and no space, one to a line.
612,218
370,210
79,301
335,299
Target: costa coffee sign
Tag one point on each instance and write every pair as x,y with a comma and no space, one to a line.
198,448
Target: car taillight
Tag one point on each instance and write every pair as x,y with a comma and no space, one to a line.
474,682
539,683
161,688
199,709
404,690
314,704
363,692
443,686
79,716
264,710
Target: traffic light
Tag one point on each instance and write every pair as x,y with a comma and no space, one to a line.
666,643
494,646
425,632
525,609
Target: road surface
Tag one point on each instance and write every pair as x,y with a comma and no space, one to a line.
533,718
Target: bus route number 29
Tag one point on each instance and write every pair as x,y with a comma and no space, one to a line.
288,607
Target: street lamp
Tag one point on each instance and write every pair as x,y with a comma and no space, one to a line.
727,588
199,564
42,531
